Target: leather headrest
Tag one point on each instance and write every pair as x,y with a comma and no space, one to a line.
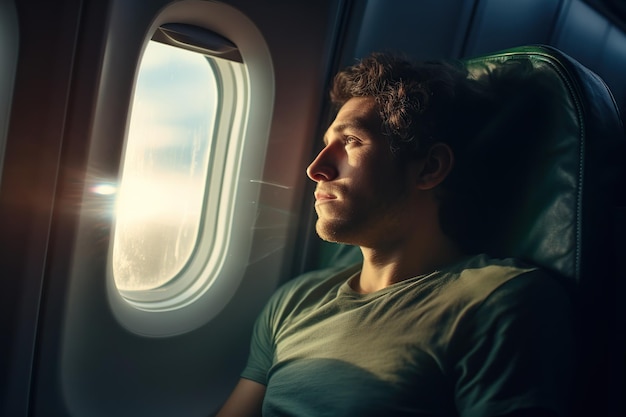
548,168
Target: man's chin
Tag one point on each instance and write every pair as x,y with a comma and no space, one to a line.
335,232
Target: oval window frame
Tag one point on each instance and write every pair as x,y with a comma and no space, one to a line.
214,273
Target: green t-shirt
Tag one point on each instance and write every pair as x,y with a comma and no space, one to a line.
479,338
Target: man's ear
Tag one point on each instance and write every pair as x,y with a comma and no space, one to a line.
435,166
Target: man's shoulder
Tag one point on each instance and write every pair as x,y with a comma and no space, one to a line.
330,275
314,284
481,277
483,268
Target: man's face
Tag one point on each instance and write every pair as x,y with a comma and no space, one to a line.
362,191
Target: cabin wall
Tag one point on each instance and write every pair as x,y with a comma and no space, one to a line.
462,29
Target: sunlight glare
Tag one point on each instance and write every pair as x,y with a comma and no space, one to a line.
104,189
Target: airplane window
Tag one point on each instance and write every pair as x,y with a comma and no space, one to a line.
175,197
186,198
160,199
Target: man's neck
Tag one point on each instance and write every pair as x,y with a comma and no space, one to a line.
383,266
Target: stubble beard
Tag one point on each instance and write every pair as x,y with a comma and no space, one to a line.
365,226
341,228
335,232
361,229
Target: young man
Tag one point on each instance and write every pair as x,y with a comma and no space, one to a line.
423,327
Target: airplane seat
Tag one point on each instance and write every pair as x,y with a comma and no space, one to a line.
549,188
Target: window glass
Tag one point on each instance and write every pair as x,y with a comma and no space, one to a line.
160,199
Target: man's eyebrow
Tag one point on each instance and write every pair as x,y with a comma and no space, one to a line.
355,124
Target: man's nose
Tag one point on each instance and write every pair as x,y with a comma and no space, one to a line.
323,167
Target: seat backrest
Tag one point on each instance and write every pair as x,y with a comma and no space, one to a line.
554,158
560,141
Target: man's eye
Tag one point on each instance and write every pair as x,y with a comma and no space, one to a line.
350,139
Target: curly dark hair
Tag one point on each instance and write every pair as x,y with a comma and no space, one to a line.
419,103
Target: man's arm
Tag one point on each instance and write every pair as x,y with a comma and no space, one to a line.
245,400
